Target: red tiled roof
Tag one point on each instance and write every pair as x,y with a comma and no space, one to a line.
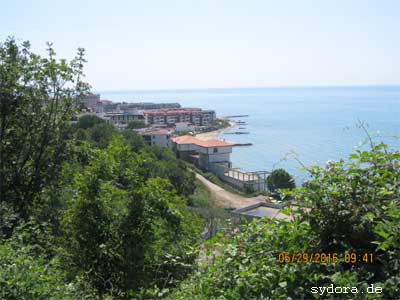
188,139
185,139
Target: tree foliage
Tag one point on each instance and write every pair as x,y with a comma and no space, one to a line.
88,121
135,124
85,210
119,226
37,102
24,276
280,179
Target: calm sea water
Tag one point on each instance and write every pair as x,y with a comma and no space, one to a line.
288,125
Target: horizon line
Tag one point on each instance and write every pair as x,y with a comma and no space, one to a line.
253,87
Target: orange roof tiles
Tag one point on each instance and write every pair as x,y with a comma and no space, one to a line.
188,139
185,139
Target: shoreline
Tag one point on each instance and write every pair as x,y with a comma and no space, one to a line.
213,135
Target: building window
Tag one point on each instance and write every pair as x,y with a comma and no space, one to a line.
215,150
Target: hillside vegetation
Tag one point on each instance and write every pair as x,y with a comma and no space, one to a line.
86,211
90,212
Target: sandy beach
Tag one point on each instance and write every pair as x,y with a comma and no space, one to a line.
213,135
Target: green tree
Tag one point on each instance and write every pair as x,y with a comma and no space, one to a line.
135,124
350,199
38,97
88,121
94,130
135,140
101,134
164,164
24,276
119,226
280,179
83,206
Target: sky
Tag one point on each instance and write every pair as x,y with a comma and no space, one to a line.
168,44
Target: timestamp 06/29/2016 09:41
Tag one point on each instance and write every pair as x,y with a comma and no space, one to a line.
304,258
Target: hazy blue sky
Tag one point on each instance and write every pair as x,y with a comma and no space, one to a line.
167,44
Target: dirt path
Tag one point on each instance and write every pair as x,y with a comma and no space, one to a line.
228,199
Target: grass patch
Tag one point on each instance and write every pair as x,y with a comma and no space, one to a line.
204,204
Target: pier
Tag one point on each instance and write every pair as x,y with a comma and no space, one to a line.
237,132
237,116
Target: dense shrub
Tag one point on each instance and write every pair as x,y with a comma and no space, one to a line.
24,276
83,207
280,179
136,124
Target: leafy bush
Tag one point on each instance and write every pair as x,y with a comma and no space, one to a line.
88,121
37,103
84,208
136,124
119,226
24,276
280,179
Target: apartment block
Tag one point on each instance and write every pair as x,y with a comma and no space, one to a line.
195,116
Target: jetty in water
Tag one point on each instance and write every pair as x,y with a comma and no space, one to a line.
237,132
237,116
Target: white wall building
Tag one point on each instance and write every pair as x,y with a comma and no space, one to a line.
214,156
206,152
158,137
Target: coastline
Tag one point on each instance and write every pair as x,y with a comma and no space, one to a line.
213,135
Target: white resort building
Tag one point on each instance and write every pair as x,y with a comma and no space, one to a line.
196,116
157,137
214,156
203,154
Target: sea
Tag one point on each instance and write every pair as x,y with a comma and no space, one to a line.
291,128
